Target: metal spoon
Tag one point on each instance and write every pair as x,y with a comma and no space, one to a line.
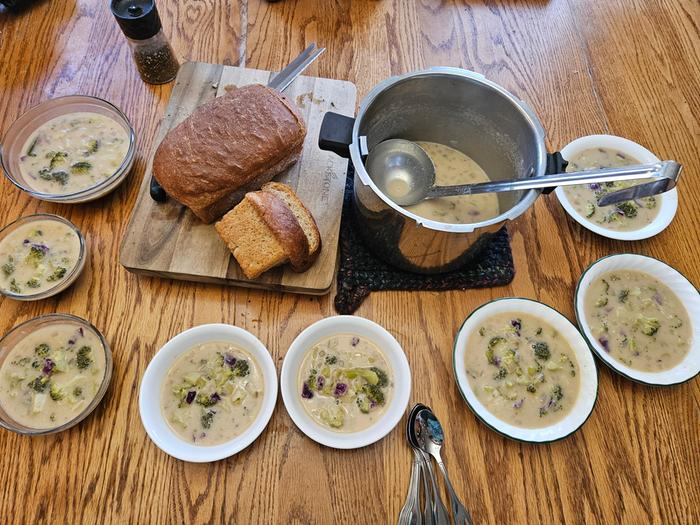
435,511
431,437
410,513
405,172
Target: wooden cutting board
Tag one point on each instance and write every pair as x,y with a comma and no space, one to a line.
167,240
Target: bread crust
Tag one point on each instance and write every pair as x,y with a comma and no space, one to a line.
228,146
284,226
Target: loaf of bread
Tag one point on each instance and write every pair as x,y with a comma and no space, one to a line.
228,147
269,228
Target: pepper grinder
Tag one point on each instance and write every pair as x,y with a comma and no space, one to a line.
140,23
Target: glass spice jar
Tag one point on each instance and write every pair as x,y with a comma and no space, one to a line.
153,55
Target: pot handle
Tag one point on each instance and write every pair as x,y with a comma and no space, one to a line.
336,134
555,164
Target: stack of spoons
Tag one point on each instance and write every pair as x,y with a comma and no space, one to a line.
424,434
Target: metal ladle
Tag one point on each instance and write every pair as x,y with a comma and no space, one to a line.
406,174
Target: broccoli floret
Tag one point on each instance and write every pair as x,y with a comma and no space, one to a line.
623,295
207,418
331,359
36,254
531,388
77,392
58,273
557,393
650,202
363,403
482,331
374,393
648,325
80,168
14,287
538,331
207,400
381,374
590,210
33,283
56,176
92,147
56,158
629,209
677,322
39,384
491,350
602,301
56,393
9,267
311,381
30,150
501,374
241,368
541,351
83,358
42,350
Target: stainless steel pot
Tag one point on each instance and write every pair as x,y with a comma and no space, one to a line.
451,106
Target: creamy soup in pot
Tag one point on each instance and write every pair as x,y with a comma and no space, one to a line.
73,152
452,167
212,393
52,375
638,320
37,256
522,370
625,216
345,383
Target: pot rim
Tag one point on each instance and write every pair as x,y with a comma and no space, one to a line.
527,113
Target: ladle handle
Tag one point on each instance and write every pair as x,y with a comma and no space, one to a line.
668,169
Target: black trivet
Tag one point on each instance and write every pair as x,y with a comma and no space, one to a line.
361,272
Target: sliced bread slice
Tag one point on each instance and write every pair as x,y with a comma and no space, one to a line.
301,212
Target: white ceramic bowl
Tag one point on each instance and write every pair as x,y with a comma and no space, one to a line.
686,292
668,200
588,373
345,324
149,397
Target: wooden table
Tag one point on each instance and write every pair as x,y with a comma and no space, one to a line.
624,67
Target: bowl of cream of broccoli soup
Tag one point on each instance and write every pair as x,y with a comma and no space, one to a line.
640,317
631,220
54,371
524,370
345,382
40,256
69,149
208,393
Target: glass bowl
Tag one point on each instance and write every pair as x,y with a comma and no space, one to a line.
73,274
18,333
25,125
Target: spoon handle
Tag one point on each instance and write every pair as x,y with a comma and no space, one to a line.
459,512
440,514
410,513
668,169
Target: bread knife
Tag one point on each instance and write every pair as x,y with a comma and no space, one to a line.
280,82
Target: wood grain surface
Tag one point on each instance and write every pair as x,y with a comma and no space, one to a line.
167,240
628,67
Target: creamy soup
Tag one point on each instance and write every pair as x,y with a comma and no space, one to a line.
37,256
345,383
638,320
626,216
52,375
451,167
212,393
522,370
73,152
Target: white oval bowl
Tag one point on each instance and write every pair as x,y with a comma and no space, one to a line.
669,200
392,351
152,418
588,374
686,292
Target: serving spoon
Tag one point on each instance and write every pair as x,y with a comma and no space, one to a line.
430,438
405,173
